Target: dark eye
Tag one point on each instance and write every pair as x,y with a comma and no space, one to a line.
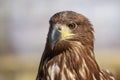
72,26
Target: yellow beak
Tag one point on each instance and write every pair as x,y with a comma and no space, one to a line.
65,33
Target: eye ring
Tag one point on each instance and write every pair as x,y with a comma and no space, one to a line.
72,26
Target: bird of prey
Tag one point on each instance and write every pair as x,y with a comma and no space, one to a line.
69,50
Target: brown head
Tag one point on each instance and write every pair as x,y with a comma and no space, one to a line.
69,26
70,46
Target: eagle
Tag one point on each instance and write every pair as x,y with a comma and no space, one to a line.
69,50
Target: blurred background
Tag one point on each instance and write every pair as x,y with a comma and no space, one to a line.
24,26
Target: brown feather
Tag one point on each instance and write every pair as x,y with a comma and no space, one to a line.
71,59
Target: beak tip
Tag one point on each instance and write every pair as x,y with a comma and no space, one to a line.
52,46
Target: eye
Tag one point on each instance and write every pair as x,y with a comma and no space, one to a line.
72,26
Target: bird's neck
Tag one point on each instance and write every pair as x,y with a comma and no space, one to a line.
81,49
80,58
73,48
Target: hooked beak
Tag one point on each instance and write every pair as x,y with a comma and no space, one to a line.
58,33
54,37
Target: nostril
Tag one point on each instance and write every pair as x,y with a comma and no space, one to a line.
59,28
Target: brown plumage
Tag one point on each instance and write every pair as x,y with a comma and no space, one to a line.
69,51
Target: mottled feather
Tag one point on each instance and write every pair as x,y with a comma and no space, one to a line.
73,58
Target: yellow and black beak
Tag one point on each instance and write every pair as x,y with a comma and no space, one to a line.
58,33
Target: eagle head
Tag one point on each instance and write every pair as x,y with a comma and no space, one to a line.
69,53
69,26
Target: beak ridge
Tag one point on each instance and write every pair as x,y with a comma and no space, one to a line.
54,37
